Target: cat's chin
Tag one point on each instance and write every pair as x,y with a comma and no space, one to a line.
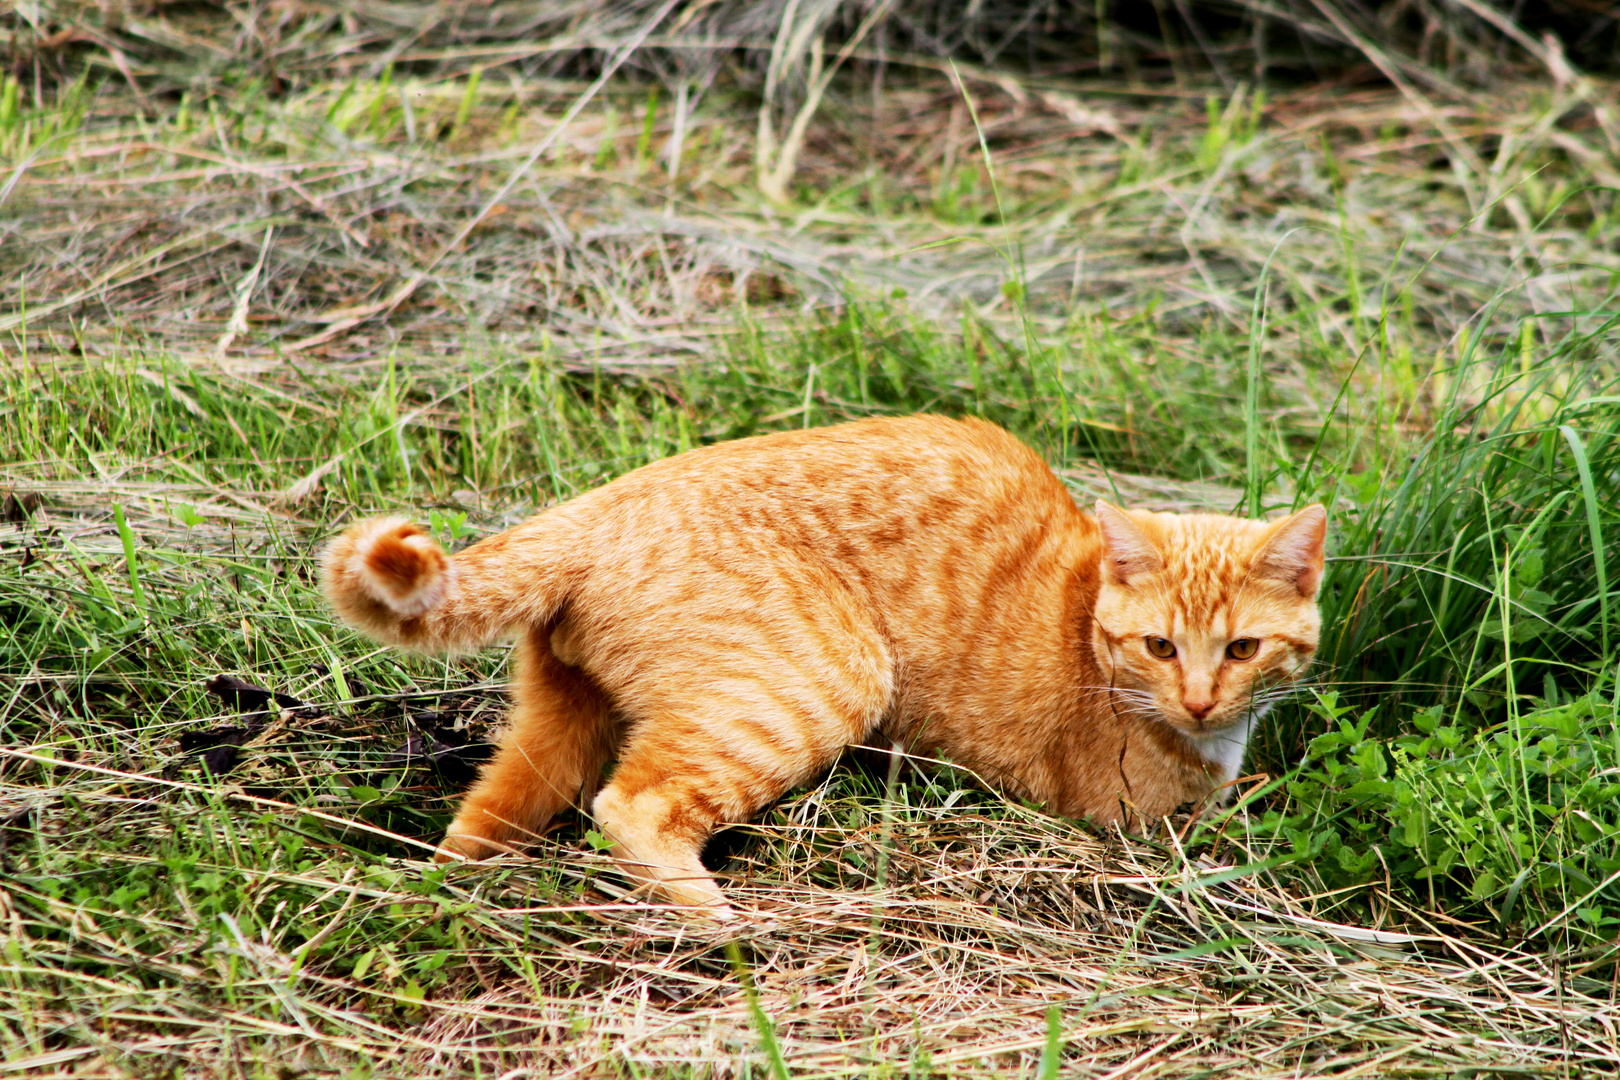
1209,728
1223,743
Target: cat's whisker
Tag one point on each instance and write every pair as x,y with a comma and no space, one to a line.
1132,695
1144,711
1279,694
1121,695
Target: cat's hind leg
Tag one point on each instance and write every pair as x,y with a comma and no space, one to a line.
559,733
723,731
658,827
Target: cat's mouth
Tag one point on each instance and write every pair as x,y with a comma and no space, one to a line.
1211,724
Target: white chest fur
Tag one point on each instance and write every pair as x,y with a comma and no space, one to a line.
1224,749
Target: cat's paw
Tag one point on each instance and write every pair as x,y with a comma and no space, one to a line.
722,913
465,847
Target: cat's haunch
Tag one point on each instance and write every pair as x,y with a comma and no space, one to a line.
726,621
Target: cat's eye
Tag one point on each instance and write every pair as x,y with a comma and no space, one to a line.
1163,648
1243,648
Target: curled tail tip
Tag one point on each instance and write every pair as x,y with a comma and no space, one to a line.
386,563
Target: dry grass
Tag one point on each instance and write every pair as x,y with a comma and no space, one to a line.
343,219
901,936
986,923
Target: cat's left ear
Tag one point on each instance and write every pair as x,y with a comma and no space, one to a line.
1294,551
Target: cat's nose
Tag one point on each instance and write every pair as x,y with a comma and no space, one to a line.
1198,709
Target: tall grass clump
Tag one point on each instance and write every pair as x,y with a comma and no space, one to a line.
1462,746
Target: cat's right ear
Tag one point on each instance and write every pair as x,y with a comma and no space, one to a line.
1126,552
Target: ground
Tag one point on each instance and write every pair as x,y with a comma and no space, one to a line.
237,314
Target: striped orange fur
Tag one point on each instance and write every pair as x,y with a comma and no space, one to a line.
726,621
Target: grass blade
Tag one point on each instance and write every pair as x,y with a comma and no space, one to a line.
128,539
762,1023
1052,1052
1251,402
1589,493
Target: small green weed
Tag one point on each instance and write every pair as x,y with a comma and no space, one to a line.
1517,823
1231,126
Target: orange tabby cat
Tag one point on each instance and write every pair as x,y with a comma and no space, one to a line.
728,620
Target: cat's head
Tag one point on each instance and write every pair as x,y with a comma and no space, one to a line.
1197,614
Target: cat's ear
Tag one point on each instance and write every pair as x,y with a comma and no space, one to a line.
1126,552
1294,553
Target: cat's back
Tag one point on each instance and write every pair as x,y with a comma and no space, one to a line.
899,478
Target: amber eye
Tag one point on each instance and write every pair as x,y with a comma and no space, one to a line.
1243,648
1163,648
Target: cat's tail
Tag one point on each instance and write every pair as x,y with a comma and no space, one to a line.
387,578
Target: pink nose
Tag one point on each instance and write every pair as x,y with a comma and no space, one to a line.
1198,709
